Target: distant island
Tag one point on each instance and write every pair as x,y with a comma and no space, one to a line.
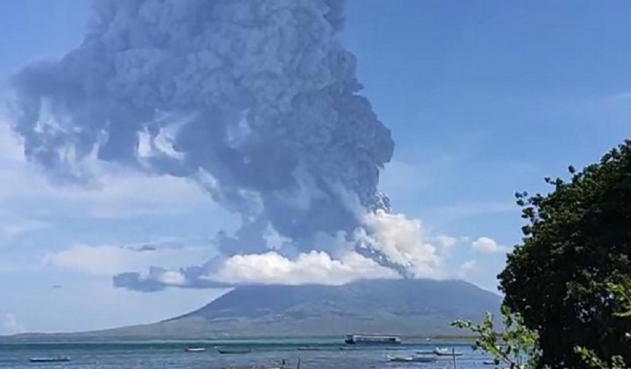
413,308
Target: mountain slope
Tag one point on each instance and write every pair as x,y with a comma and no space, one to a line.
407,307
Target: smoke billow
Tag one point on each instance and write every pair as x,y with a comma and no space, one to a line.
253,99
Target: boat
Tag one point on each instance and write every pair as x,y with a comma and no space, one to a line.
371,339
489,362
446,352
234,350
57,359
195,349
412,359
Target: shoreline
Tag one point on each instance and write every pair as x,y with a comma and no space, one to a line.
51,339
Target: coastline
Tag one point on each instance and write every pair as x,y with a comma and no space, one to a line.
71,339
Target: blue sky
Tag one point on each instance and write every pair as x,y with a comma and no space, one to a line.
484,98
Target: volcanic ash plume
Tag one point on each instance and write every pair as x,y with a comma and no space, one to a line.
253,99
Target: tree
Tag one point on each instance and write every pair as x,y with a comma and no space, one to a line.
576,244
515,346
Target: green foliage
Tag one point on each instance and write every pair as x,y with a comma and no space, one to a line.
592,361
514,346
620,292
576,246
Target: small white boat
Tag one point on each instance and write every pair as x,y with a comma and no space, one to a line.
195,349
446,352
412,359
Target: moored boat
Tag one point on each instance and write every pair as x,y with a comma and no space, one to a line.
195,349
234,350
412,359
446,352
57,359
371,339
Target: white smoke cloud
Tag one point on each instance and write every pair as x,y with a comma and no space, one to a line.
399,239
402,241
314,267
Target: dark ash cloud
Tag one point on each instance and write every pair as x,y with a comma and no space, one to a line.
255,100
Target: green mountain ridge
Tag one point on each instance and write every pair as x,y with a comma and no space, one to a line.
419,307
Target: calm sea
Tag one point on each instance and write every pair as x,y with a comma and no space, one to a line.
171,355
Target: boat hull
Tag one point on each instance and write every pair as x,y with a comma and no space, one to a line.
234,351
413,359
49,360
360,339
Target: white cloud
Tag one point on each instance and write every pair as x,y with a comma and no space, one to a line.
11,325
12,226
313,267
446,241
109,260
487,245
466,268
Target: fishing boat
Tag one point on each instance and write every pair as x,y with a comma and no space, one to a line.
234,350
446,352
57,359
195,349
412,359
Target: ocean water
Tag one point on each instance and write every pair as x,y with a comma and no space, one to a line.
170,355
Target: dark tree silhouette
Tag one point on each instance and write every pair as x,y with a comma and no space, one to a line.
576,241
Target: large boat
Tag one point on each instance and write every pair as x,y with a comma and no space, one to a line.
371,339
